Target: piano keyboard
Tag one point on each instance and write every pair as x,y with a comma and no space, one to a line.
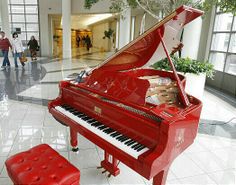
112,136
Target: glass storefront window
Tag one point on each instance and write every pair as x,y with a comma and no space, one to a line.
234,25
232,46
31,2
31,18
220,41
22,36
230,66
223,22
31,9
18,18
32,27
23,17
16,2
17,9
19,25
217,59
35,34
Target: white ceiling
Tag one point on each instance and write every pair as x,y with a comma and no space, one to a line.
81,21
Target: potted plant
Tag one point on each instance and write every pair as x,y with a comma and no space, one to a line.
110,35
194,71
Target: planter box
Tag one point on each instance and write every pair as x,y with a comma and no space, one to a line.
195,84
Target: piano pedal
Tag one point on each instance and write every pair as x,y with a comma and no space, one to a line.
75,149
104,171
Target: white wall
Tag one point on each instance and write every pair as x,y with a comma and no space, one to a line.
191,38
45,33
149,22
98,33
100,7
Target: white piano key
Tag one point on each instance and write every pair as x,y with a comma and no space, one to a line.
121,145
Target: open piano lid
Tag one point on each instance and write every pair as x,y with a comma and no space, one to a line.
147,48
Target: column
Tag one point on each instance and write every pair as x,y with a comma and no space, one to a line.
191,38
125,23
5,17
66,26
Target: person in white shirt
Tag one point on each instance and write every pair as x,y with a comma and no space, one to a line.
17,48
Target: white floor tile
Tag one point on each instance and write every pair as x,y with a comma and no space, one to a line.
2,163
126,176
24,145
5,181
30,132
92,176
49,132
228,156
4,173
84,143
198,180
85,158
226,177
185,167
59,144
207,161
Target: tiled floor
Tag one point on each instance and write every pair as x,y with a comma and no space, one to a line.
23,124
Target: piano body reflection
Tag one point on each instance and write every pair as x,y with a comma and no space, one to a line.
109,105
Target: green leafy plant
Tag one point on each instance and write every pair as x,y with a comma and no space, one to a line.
154,7
108,33
186,65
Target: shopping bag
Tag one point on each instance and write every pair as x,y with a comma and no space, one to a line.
23,58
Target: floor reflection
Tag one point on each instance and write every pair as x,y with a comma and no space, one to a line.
16,80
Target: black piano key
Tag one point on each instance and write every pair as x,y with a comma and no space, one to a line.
140,148
102,127
96,124
127,142
91,121
135,145
118,138
115,134
130,143
105,130
108,131
76,113
122,139
70,109
80,115
86,118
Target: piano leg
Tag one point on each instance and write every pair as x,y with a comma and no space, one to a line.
160,178
111,167
73,140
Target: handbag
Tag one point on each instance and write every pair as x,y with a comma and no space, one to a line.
23,58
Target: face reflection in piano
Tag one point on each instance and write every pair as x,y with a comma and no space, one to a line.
134,113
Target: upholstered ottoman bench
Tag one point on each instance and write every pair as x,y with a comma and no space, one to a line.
41,165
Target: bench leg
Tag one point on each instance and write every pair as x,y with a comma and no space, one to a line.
73,140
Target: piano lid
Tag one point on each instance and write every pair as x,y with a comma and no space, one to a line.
147,49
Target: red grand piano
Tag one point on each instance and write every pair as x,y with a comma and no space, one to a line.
111,104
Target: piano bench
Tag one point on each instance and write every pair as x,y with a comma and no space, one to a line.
41,165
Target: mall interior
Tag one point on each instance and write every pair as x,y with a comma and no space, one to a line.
189,138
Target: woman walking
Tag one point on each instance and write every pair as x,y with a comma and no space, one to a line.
33,46
17,48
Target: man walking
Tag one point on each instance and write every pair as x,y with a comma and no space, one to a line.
4,46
